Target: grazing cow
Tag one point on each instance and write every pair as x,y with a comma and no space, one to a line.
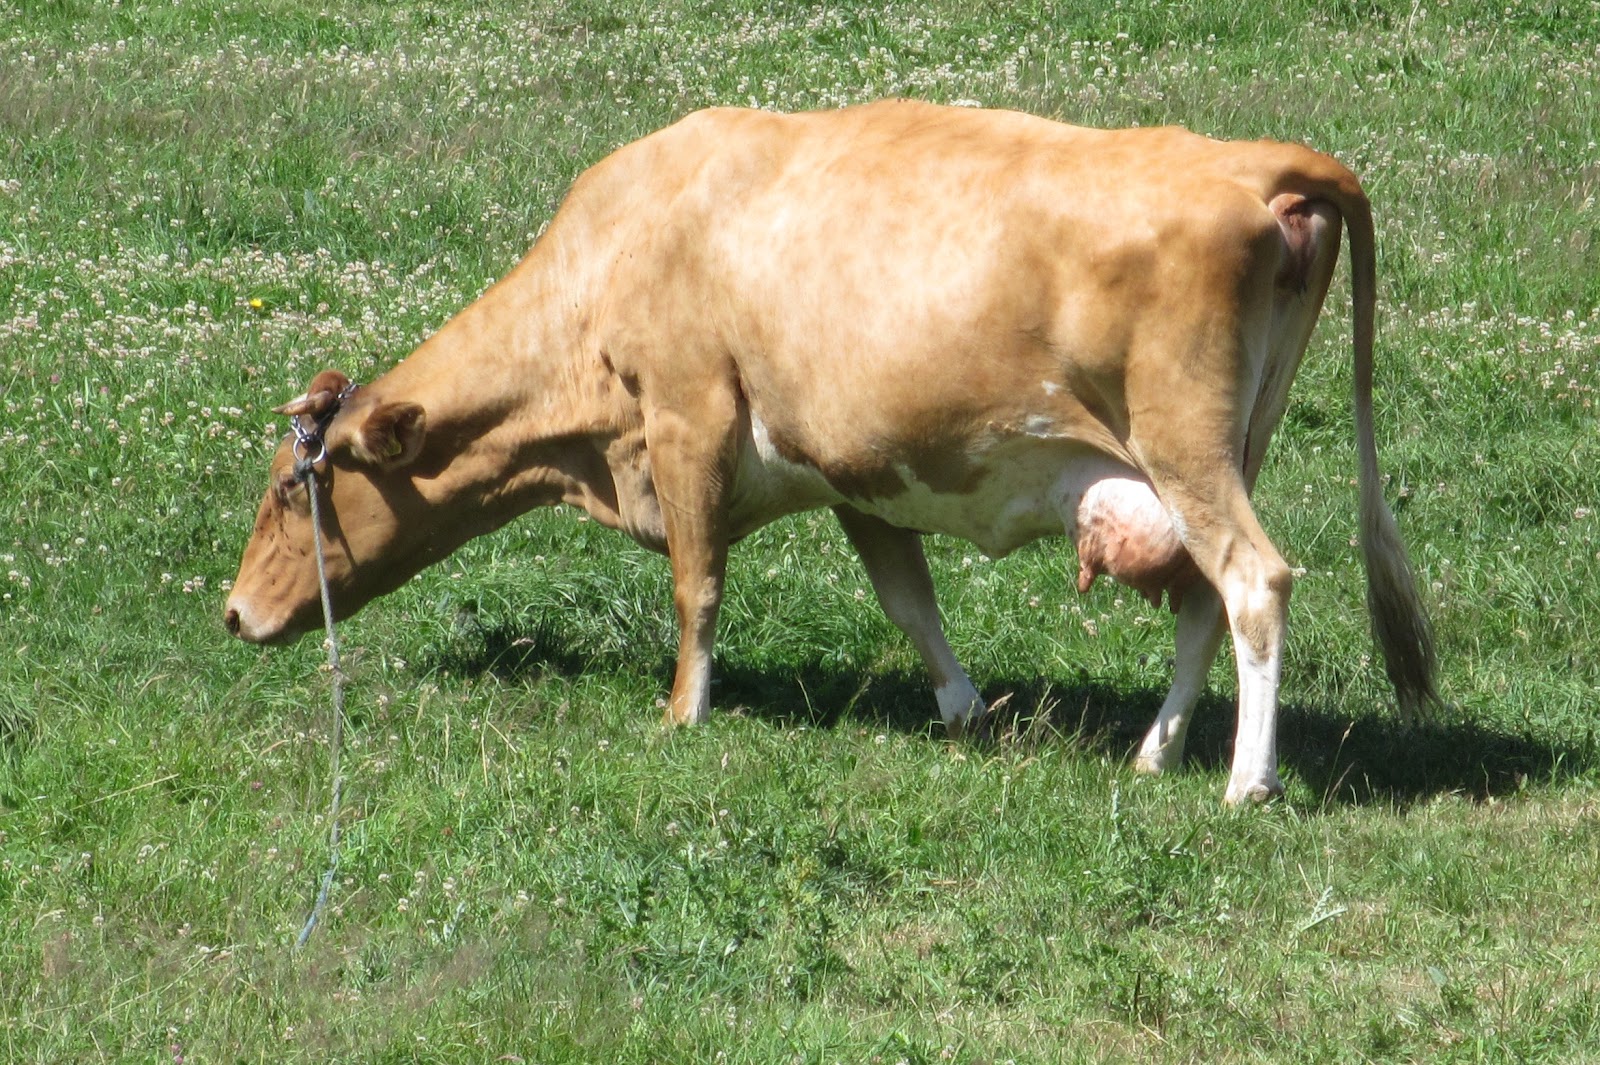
929,319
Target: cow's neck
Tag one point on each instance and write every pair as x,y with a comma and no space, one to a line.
519,412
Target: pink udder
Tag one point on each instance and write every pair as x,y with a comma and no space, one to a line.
1125,532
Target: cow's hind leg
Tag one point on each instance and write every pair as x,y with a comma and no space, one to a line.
1233,553
1311,234
1194,385
1199,634
899,573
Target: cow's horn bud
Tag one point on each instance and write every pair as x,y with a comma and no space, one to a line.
323,393
308,403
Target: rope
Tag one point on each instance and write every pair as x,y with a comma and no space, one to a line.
306,470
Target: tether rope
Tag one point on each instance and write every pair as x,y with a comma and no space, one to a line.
305,469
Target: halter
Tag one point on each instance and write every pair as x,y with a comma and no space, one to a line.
311,445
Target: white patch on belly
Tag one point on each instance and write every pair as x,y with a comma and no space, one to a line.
766,486
1030,488
1050,387
1009,506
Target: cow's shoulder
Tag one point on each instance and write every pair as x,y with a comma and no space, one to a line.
706,144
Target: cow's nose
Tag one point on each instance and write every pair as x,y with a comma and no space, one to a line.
231,619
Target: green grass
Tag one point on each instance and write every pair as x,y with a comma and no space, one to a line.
533,870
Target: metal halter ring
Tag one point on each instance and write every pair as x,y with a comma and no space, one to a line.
305,440
309,448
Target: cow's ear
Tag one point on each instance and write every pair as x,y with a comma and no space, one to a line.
390,435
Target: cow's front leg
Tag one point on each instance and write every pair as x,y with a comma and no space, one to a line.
690,470
899,573
1198,637
698,567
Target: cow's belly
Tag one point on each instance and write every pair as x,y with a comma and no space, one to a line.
1010,499
1016,494
1112,514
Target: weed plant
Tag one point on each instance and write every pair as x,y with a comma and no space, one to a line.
202,203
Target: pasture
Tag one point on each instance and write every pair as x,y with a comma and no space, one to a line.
204,203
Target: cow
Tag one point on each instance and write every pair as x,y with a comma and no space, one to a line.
973,322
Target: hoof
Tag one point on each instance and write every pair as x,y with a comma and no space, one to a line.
961,708
1155,763
1254,793
674,715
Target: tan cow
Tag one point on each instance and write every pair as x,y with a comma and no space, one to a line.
930,319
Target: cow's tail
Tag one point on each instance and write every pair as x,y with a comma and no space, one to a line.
1399,622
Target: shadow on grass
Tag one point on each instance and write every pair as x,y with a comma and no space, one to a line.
1367,759
520,653
1360,760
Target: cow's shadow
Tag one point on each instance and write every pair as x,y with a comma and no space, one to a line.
1343,760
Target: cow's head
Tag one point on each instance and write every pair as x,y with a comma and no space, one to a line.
372,533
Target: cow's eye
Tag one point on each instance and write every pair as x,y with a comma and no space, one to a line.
286,488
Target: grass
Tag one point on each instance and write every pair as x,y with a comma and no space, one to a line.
533,870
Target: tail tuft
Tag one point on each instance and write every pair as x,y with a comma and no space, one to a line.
1399,623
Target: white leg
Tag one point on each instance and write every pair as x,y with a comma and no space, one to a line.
1258,620
1255,748
1198,636
899,573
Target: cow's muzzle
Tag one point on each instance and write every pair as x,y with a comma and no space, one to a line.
243,622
